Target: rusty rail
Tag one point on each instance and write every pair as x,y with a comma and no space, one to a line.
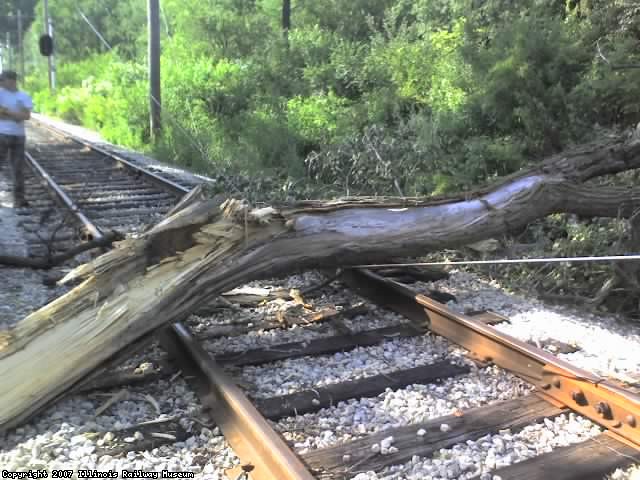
264,454
164,183
612,407
91,230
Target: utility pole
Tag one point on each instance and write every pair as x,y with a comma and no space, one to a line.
153,16
8,43
48,29
20,44
286,19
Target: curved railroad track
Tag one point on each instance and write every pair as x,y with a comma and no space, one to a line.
276,371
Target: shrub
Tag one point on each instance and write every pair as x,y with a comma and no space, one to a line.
319,119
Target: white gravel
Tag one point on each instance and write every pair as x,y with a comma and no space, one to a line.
57,439
419,403
608,346
22,289
631,473
482,456
288,376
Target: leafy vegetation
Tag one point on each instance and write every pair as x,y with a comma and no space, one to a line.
424,96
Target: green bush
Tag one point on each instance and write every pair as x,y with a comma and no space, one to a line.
605,96
320,118
525,77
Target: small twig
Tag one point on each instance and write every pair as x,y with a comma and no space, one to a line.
57,228
153,402
166,436
622,66
600,54
121,395
604,291
246,227
397,185
201,423
228,304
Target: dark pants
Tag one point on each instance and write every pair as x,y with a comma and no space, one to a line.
12,152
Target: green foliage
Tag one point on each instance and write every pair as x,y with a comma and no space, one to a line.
101,93
9,17
222,28
526,74
121,23
430,95
607,97
321,118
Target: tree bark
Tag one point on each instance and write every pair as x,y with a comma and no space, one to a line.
209,247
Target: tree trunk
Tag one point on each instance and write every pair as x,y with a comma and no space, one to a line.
208,247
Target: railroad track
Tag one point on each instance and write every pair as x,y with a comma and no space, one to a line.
101,192
277,371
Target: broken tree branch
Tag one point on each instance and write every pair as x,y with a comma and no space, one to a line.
622,66
55,260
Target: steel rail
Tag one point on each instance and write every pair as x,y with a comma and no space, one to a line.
613,407
264,454
162,182
92,231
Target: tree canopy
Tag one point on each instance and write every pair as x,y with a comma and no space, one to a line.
9,16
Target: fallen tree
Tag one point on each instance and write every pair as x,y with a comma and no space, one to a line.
206,247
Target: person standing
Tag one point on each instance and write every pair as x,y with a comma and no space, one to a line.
15,109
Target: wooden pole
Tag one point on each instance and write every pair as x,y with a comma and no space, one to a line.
286,19
52,58
48,29
154,67
20,44
9,53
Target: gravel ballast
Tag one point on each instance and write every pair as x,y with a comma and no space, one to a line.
357,418
22,288
480,457
289,376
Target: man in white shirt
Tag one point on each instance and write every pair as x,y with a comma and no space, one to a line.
15,109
